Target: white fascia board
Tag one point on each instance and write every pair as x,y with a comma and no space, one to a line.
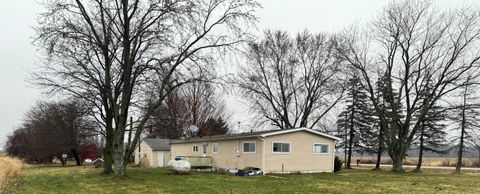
300,129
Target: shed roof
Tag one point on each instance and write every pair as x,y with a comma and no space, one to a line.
158,144
253,134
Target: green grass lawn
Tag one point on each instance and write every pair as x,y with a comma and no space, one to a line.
43,179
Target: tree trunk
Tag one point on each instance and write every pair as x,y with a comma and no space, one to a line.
379,159
345,154
118,159
460,153
127,87
352,125
350,146
78,161
397,154
380,148
119,153
462,135
420,153
345,143
108,157
397,160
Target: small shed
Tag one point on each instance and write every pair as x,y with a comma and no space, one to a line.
153,152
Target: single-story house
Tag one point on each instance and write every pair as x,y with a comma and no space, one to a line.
153,152
275,151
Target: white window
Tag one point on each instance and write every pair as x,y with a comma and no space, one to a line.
249,147
281,147
215,148
320,148
195,148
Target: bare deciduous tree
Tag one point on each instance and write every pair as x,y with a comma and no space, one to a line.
105,51
170,119
53,129
420,49
192,104
291,82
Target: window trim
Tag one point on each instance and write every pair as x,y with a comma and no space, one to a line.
213,148
328,150
193,148
243,147
289,150
204,149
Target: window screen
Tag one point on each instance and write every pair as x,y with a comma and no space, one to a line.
249,147
321,148
281,147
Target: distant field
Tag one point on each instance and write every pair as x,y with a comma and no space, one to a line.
55,179
427,161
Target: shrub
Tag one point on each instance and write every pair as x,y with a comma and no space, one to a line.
90,151
338,164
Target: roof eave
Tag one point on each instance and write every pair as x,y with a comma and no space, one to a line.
300,129
211,139
163,149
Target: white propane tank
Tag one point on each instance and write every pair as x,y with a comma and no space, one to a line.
170,163
181,166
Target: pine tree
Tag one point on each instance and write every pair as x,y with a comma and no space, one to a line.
432,133
355,119
213,127
342,131
467,116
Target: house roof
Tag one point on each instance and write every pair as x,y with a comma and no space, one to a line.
279,132
158,144
253,134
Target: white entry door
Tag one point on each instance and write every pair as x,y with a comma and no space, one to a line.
160,159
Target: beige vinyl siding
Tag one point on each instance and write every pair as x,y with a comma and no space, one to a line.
145,152
185,149
301,156
150,155
168,157
225,157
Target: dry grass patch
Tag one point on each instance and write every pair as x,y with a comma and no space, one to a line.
10,170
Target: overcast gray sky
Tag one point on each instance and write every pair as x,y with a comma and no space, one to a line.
17,55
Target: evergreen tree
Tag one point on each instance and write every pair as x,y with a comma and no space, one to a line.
355,119
432,133
342,131
467,116
213,127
